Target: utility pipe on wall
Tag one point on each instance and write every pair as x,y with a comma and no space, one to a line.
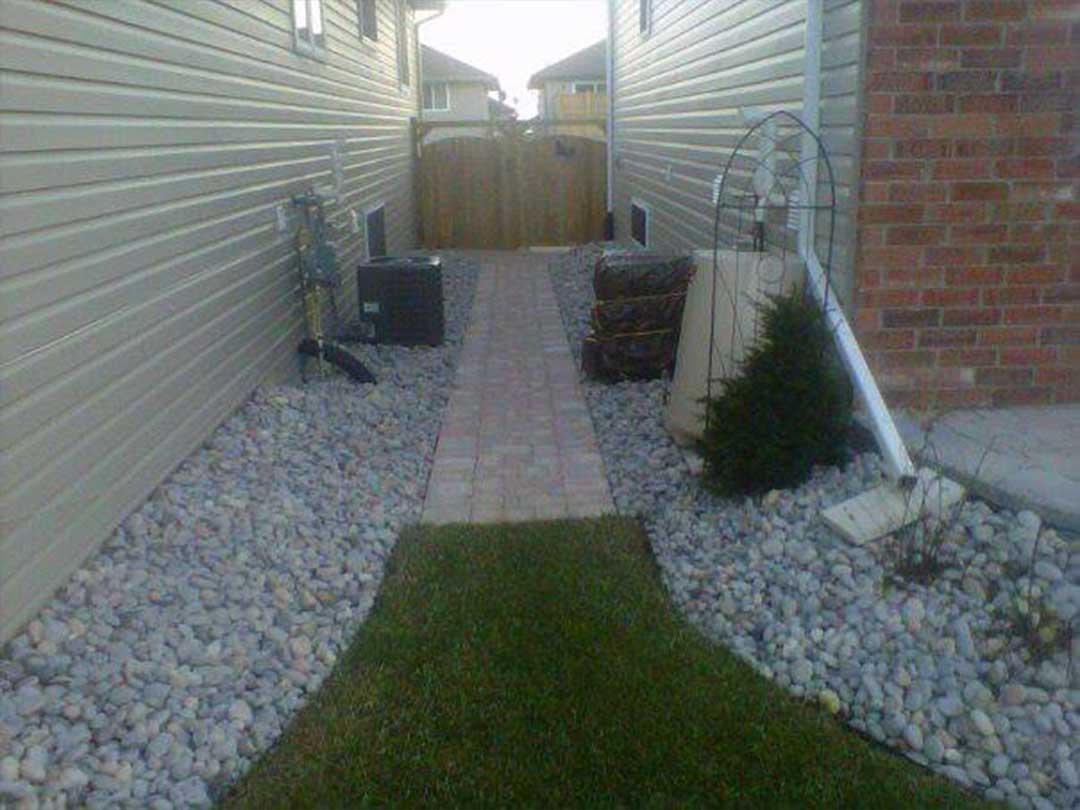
609,219
811,116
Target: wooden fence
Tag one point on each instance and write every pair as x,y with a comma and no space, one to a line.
509,192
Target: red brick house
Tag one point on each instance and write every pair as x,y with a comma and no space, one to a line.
952,126
968,260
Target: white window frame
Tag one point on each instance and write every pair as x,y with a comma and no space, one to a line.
594,87
366,36
645,17
368,211
644,206
431,86
306,41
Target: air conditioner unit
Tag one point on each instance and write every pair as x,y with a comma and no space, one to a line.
401,298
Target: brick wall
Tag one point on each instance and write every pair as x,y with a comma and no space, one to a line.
968,267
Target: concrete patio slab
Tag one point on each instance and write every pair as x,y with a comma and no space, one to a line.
1021,458
517,441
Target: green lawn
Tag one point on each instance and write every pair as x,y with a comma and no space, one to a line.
541,665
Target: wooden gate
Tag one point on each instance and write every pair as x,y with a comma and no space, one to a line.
508,192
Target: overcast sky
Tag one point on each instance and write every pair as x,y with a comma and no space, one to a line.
515,38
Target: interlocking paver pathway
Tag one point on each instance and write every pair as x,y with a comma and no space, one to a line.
516,442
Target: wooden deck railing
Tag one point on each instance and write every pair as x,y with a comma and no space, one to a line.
579,105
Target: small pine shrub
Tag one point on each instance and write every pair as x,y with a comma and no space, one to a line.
787,409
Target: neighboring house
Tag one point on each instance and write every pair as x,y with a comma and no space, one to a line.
572,94
144,287
455,96
952,130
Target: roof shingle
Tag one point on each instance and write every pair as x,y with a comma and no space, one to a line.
436,66
588,63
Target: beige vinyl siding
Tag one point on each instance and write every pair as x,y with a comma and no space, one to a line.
468,101
678,95
144,290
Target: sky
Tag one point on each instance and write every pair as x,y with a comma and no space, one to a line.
515,38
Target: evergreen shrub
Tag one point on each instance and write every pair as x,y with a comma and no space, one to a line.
787,409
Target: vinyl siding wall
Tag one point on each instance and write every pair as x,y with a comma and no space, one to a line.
468,102
678,95
144,291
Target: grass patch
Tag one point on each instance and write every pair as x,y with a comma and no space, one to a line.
542,665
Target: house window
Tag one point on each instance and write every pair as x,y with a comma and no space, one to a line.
645,16
309,37
375,226
402,44
436,96
639,223
589,87
368,19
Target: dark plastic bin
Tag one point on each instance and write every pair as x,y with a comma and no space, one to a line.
401,298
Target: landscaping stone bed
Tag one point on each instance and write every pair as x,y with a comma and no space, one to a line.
178,652
937,671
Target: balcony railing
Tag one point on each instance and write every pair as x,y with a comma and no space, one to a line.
569,106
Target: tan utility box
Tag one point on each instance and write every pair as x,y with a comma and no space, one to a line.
742,279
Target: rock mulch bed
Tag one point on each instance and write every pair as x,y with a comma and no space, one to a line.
178,652
936,671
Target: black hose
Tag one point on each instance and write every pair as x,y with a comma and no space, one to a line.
337,356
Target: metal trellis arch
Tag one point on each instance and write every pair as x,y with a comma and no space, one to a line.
763,205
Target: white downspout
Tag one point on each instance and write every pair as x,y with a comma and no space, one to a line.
811,115
897,461
611,113
436,13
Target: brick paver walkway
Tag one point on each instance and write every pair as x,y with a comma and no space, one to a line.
517,442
